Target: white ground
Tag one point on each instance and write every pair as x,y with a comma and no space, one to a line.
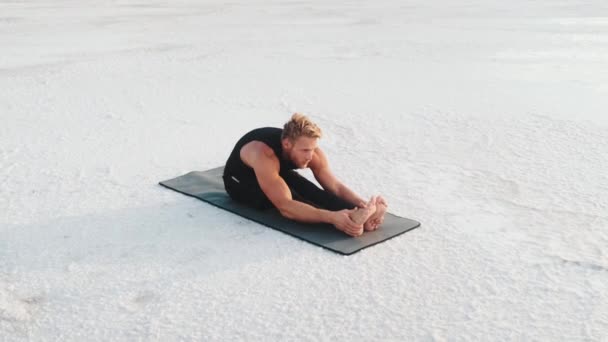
485,120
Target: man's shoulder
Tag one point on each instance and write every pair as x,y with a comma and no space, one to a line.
255,153
259,148
319,160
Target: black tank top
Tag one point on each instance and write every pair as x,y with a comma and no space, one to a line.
270,136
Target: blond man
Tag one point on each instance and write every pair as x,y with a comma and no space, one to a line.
260,173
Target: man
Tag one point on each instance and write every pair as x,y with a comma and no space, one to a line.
260,172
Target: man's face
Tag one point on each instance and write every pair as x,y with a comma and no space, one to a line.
301,151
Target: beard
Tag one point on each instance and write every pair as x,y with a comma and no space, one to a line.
300,164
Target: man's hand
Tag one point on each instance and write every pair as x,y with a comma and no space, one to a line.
343,222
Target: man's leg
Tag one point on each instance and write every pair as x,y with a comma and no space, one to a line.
306,191
246,191
311,193
249,192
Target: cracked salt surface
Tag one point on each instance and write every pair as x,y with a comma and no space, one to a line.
487,126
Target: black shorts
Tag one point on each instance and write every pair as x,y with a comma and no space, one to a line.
248,191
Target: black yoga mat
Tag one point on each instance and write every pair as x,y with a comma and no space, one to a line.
209,187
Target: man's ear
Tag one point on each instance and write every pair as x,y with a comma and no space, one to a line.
286,143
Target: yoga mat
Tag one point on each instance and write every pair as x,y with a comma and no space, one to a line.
209,187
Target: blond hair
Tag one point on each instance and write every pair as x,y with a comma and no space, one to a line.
300,125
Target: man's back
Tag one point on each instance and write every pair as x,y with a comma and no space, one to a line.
271,136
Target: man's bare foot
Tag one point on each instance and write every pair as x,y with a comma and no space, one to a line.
361,215
375,220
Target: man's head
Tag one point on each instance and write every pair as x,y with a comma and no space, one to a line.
299,139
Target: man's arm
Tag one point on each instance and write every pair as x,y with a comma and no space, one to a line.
320,168
266,167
